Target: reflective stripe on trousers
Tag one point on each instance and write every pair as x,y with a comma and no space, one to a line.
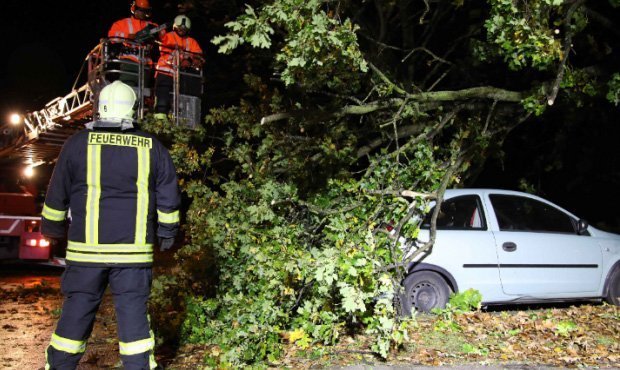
83,288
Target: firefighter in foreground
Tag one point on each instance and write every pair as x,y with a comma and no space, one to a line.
176,45
117,181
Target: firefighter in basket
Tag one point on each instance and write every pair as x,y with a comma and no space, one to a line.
179,53
132,39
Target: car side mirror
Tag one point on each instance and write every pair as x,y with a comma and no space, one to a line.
582,227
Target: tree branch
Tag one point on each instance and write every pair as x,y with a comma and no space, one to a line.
275,117
433,229
426,10
440,192
447,118
437,81
483,92
435,57
568,41
403,132
405,194
382,76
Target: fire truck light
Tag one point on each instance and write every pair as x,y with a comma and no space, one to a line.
43,243
15,119
28,171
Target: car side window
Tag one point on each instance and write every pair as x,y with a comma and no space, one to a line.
515,213
458,213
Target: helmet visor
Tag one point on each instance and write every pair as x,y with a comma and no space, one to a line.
145,11
182,29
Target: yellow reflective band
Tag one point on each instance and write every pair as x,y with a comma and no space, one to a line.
139,346
104,248
67,345
108,138
47,362
93,174
53,214
109,258
168,218
152,362
142,184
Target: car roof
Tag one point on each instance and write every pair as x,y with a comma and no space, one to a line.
451,193
482,191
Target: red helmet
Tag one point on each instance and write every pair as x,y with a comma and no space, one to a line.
142,5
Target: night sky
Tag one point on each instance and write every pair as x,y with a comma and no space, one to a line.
44,44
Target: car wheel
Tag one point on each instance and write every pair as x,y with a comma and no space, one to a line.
613,293
425,290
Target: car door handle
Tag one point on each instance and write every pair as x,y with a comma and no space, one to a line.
509,247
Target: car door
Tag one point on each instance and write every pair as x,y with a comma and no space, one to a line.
539,251
464,246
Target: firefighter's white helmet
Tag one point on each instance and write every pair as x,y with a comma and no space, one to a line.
181,21
116,102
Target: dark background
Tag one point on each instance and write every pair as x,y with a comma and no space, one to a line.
570,155
44,45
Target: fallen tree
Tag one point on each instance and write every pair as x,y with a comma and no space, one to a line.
351,115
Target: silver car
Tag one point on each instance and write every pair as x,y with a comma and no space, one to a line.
513,248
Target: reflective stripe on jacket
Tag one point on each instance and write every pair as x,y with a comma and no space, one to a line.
172,43
117,184
127,28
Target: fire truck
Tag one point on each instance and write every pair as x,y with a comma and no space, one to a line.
35,138
20,235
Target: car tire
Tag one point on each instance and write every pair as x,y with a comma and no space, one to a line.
613,292
424,290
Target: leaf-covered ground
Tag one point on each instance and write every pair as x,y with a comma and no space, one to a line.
576,336
28,310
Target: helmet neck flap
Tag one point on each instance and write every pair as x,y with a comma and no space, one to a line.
116,106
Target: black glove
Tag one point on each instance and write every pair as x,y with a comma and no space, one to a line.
165,244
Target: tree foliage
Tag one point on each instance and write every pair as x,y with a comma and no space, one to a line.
352,115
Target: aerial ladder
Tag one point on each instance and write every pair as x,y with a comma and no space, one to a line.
44,131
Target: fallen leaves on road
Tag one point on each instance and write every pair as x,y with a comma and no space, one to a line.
584,335
28,314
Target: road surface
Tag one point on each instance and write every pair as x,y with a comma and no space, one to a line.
29,304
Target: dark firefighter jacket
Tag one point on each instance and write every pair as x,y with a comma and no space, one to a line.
116,184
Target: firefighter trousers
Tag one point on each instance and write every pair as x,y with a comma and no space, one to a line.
83,289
